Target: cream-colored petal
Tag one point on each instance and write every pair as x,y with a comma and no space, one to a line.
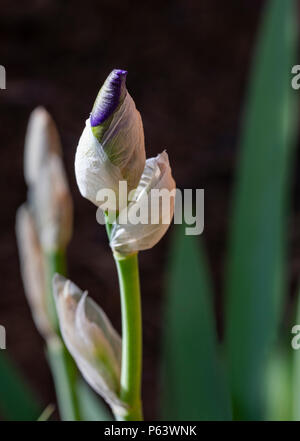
41,140
117,155
130,238
91,339
52,205
124,142
93,170
32,270
95,328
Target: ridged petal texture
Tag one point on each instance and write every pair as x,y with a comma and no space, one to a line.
113,150
48,191
42,140
91,340
52,205
133,237
32,270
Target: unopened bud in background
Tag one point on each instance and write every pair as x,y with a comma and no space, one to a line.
52,205
48,190
44,222
111,148
131,237
32,270
91,340
41,140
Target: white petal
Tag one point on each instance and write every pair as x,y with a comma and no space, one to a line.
120,155
41,140
32,270
93,169
91,339
124,142
52,205
93,324
130,238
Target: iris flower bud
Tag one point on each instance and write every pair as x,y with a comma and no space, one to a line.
32,270
41,140
156,182
49,195
91,340
111,147
52,205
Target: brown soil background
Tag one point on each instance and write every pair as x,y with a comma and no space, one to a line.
188,64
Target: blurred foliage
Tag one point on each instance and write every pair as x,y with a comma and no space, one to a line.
92,407
193,380
255,284
65,376
17,403
255,278
296,371
278,384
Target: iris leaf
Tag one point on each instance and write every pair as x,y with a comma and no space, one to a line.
17,402
256,274
193,383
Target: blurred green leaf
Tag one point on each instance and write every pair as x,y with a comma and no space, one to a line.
193,386
17,403
279,386
65,376
92,407
256,273
296,368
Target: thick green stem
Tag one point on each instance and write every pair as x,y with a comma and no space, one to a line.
65,378
130,393
131,370
63,367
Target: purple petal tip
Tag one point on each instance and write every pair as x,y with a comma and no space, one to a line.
109,97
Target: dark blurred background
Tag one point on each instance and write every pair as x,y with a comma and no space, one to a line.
188,64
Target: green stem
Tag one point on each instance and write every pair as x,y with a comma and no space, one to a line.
55,262
65,378
130,392
131,370
63,367
108,226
